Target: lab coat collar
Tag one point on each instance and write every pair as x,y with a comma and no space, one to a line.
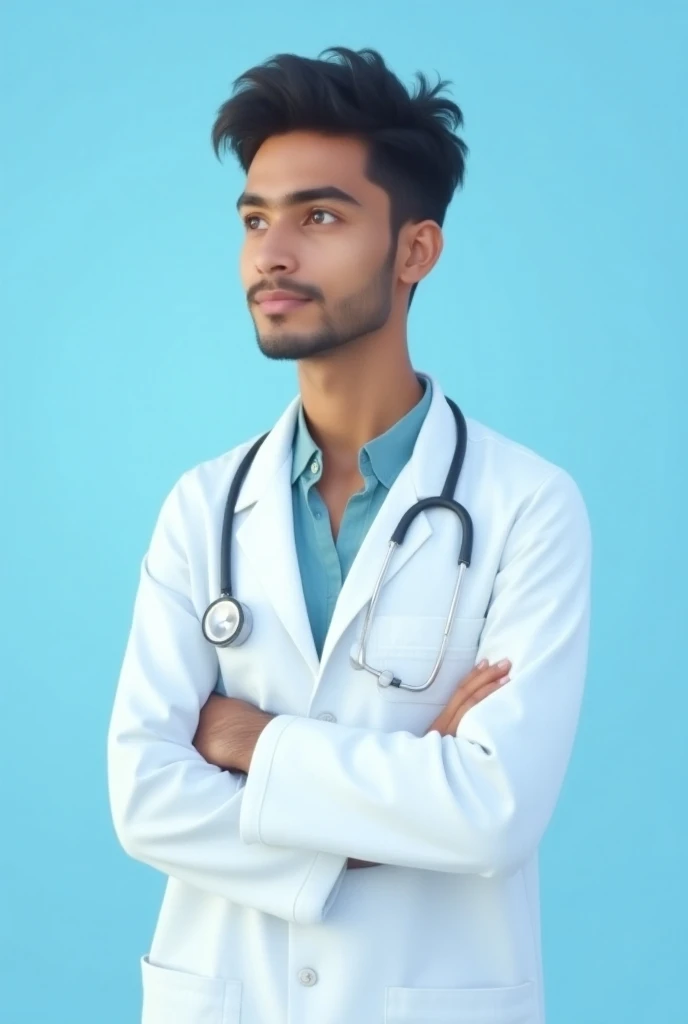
275,450
266,534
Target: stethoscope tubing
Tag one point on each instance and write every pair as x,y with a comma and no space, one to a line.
358,659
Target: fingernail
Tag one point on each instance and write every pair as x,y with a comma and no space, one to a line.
483,663
504,664
504,680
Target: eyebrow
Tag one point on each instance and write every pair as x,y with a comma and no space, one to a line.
306,195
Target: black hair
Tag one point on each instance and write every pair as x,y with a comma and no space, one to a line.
414,153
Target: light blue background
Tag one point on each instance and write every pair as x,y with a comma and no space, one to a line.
555,316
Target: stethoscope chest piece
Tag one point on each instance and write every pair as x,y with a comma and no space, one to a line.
227,622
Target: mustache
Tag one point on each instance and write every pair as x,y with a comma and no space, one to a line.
303,291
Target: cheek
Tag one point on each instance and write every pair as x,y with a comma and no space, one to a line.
351,263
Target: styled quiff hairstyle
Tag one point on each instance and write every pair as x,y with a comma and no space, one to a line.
414,153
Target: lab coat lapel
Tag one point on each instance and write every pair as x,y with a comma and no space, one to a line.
422,476
266,535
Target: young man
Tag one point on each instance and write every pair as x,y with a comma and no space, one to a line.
258,774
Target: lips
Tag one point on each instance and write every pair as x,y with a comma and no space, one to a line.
280,302
282,305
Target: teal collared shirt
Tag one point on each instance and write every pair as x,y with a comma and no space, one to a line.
324,564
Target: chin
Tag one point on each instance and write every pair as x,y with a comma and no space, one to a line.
276,347
293,346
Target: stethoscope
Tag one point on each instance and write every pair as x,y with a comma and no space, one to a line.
227,622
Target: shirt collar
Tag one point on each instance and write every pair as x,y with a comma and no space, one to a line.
304,447
387,454
390,452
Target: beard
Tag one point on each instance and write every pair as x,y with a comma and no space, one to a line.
362,313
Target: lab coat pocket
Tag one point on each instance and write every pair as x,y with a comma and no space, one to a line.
175,997
509,1005
408,646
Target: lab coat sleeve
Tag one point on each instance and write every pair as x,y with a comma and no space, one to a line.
171,809
478,802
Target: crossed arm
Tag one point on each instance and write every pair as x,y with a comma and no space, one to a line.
229,728
473,796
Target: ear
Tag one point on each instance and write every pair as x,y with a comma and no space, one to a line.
420,247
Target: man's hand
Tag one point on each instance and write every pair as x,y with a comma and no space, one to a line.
228,730
483,680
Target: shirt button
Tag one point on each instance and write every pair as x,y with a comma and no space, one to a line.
308,976
315,466
318,515
327,716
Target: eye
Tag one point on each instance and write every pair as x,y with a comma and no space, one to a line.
318,217
250,221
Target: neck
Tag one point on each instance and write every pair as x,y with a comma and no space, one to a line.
355,394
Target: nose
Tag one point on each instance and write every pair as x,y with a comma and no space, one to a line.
275,255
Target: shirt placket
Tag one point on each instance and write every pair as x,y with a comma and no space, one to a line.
320,521
355,521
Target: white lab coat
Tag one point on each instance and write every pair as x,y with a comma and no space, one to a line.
261,923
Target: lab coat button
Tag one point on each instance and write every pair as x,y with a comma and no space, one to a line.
308,976
327,716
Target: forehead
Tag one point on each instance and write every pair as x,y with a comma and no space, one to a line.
303,160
